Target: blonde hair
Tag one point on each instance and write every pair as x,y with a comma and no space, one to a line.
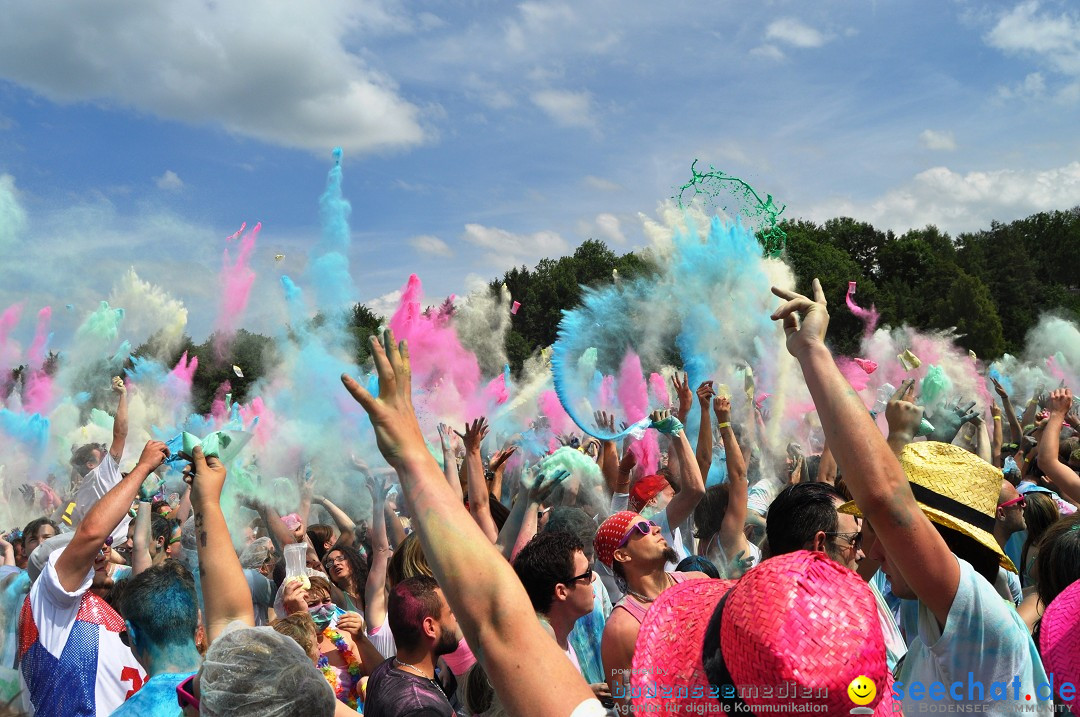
301,628
408,561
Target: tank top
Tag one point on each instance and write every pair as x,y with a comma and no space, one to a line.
637,608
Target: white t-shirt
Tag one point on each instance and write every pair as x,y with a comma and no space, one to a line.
93,487
984,637
72,662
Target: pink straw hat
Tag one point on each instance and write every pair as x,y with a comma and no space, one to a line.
797,629
1059,640
667,669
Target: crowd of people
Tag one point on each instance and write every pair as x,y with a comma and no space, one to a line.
885,574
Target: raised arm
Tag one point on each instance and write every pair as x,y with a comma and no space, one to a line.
1015,431
450,466
78,559
520,525
479,505
827,468
375,590
280,535
346,526
871,472
996,439
482,589
140,551
732,537
184,509
1050,463
497,466
691,485
609,453
704,452
120,422
226,596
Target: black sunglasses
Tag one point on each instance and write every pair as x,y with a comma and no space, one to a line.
588,574
852,539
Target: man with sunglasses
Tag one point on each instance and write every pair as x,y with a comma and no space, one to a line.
804,516
635,550
71,658
558,579
1009,520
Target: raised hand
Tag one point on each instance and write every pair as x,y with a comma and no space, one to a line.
705,392
540,488
118,386
805,320
682,390
604,421
947,423
1060,402
999,388
629,460
206,475
722,408
500,456
902,415
474,434
397,432
153,455
352,623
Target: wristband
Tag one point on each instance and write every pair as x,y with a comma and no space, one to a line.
725,424
997,418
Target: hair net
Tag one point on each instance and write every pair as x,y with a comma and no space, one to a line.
255,555
259,672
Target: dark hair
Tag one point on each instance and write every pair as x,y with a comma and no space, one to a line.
547,560
709,513
358,567
161,527
798,514
698,563
1058,562
84,454
499,512
318,535
161,605
985,561
34,526
411,602
1040,512
574,520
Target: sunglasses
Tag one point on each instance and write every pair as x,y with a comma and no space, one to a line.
184,697
854,540
644,528
1019,500
587,575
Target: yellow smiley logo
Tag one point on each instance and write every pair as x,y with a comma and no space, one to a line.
862,690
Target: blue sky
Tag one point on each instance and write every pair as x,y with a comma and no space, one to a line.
479,134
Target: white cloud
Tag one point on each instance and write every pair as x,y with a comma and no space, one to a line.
1054,39
1033,86
430,245
568,109
957,202
932,139
604,185
279,72
768,52
12,214
605,227
169,181
506,249
793,32
386,304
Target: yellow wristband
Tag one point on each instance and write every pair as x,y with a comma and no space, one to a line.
997,418
725,424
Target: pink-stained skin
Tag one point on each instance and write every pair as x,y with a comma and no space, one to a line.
634,400
38,396
237,278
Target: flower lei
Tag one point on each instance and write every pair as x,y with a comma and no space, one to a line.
349,694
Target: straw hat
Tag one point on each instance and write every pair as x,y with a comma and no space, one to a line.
955,488
1059,640
800,624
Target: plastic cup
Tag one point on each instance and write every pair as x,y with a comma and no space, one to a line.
295,560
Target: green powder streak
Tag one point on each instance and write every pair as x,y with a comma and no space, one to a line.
716,186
